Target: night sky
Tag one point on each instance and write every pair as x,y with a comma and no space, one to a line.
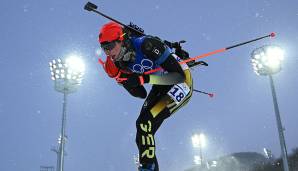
101,115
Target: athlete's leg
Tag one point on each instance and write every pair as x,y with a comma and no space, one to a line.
145,125
157,107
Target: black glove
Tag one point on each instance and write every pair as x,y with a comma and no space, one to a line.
139,91
135,80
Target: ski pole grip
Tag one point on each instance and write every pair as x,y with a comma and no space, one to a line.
90,6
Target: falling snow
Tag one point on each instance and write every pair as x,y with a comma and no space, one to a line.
25,8
53,28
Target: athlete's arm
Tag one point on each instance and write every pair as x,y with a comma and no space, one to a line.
138,91
157,51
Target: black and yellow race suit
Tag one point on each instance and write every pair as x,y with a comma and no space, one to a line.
171,90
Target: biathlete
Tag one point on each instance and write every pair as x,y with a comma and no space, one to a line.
129,60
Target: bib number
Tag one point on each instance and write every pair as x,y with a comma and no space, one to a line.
178,92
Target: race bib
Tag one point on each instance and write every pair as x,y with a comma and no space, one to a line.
178,92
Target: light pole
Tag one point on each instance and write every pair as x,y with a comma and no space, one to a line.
67,75
266,60
199,141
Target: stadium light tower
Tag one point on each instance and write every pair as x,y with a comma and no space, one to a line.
266,61
67,75
199,141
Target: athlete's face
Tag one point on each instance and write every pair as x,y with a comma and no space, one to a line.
113,49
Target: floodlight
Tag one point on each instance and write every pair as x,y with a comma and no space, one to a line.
67,73
267,59
198,140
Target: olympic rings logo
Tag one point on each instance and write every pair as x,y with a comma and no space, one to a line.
145,65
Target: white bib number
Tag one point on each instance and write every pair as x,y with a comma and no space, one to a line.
178,92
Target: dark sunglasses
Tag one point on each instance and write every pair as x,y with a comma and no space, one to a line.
108,45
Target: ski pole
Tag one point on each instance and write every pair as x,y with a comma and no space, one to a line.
203,92
227,48
92,7
216,51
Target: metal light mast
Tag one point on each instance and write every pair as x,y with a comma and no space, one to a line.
266,61
67,75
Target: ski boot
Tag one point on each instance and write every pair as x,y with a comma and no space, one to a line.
147,167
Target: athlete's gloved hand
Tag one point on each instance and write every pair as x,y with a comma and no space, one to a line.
135,80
